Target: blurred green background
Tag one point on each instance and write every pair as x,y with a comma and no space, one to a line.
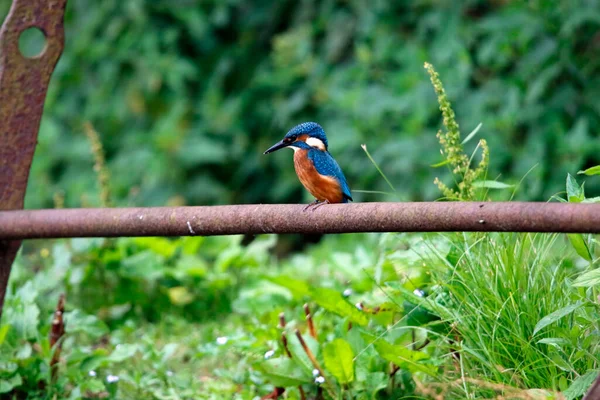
187,94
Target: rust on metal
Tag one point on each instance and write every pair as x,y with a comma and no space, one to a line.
291,218
23,86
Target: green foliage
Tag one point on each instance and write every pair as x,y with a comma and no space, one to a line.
185,96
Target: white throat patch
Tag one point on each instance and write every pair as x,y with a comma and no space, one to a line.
294,148
316,143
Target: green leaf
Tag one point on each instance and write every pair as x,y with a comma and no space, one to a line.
298,287
401,356
8,367
440,164
24,319
159,245
77,321
473,133
581,385
556,342
425,302
580,245
180,296
123,352
575,193
145,265
3,332
555,316
6,385
92,387
492,185
588,279
284,372
592,200
339,360
590,171
333,301
299,354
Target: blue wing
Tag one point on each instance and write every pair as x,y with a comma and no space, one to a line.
326,165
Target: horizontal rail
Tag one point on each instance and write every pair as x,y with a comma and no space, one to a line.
291,218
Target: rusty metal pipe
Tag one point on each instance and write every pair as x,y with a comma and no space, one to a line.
290,218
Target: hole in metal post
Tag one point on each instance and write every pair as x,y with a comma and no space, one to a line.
32,42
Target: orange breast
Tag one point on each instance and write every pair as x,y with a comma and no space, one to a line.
321,186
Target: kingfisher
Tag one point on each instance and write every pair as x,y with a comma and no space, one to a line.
317,170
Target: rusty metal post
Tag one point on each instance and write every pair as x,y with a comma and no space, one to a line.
23,85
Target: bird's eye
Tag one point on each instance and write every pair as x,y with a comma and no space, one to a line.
290,139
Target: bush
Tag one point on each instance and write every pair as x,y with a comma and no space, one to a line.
186,96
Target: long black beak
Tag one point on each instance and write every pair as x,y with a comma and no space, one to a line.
279,145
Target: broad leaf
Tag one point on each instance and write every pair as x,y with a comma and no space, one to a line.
588,279
555,316
401,356
123,352
580,245
575,193
8,384
284,372
580,385
298,287
299,354
339,360
333,301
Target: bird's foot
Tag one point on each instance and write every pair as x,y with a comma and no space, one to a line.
316,204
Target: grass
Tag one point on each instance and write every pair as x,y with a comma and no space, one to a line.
503,286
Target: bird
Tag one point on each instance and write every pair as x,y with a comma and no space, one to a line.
316,168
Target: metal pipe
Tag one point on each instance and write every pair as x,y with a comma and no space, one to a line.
291,218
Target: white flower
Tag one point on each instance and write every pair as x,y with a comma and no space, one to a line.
112,379
92,373
419,292
269,354
169,373
359,306
319,380
222,340
316,372
347,292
